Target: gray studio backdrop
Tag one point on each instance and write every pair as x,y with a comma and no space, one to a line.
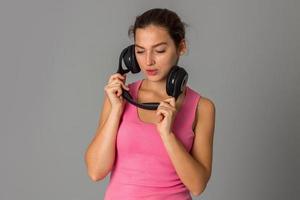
56,57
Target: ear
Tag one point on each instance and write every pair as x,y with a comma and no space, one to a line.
182,47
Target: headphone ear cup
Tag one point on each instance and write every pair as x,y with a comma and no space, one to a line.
171,80
176,81
180,81
130,60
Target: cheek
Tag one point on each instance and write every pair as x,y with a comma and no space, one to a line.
139,59
168,62
165,59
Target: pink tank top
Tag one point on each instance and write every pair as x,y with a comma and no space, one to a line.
143,169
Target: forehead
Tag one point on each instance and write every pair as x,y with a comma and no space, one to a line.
150,35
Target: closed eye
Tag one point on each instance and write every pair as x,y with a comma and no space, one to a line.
139,52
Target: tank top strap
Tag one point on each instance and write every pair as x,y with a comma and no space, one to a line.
133,88
129,111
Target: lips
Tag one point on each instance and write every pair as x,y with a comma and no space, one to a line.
152,72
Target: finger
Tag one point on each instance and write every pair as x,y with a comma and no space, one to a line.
162,112
171,101
165,106
116,90
120,83
116,76
166,111
117,79
168,105
119,92
112,77
165,103
160,115
159,112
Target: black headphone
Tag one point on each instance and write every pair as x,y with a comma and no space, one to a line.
176,80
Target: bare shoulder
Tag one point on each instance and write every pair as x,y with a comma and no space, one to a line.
205,110
205,105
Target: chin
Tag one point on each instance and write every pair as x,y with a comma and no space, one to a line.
155,79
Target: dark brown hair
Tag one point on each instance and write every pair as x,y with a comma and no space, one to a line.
162,17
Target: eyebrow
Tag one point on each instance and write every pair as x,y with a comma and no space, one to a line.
161,43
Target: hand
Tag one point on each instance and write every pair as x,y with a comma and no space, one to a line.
167,112
114,90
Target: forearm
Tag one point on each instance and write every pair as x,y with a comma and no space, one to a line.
100,155
192,173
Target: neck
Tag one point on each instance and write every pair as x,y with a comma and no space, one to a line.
160,87
156,86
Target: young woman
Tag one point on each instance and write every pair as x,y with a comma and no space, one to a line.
153,154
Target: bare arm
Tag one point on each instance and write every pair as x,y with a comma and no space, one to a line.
195,169
100,155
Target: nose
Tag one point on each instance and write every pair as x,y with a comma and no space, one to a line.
149,59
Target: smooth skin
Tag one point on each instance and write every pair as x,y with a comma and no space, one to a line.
155,49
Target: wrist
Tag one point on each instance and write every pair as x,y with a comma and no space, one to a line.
166,136
116,111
